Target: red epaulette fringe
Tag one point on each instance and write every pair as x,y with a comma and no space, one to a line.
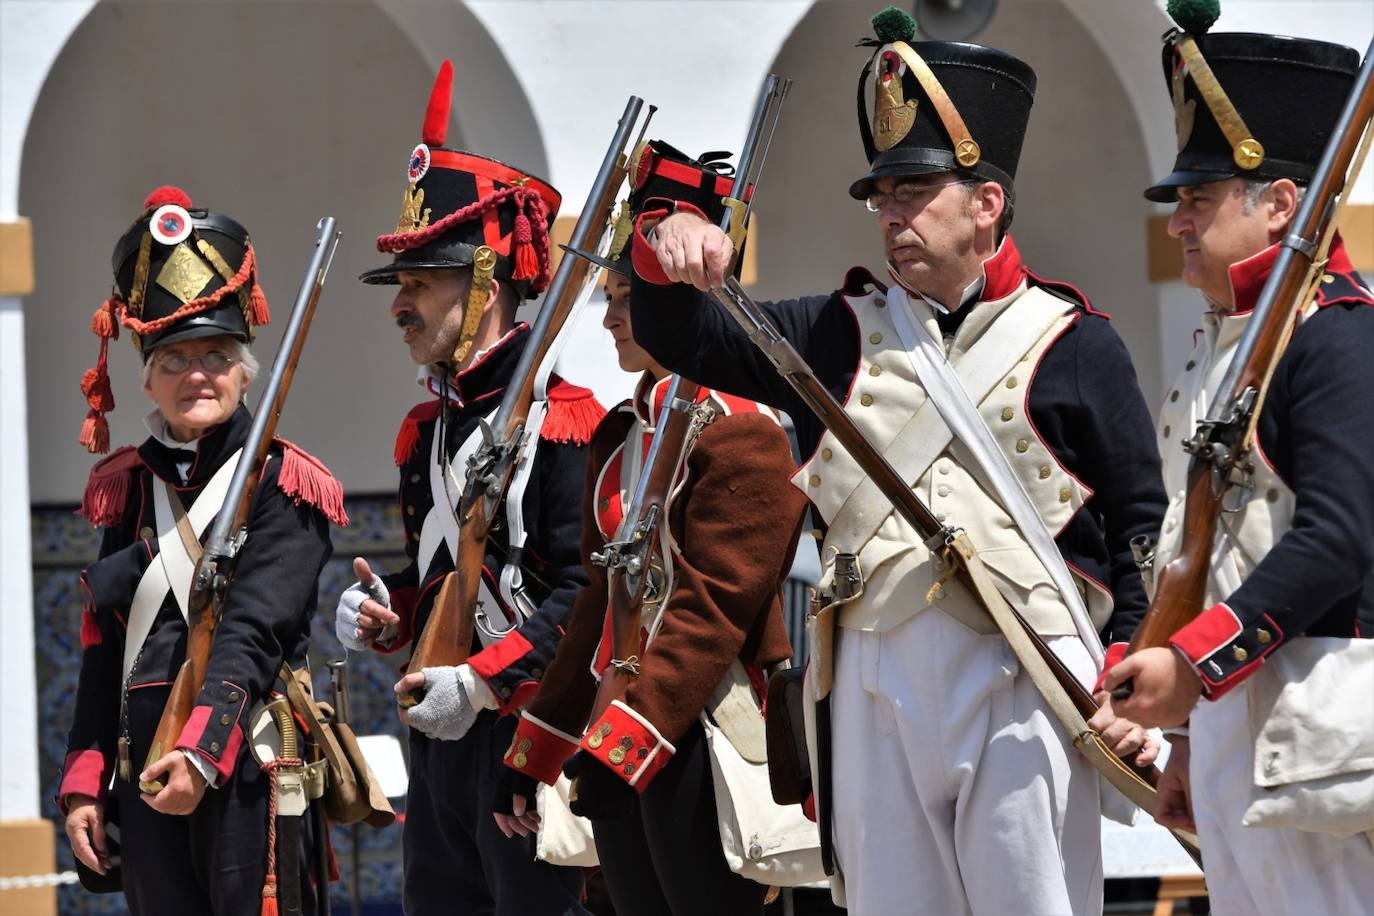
408,437
107,489
304,478
573,414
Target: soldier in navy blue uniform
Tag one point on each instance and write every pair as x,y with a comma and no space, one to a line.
943,762
187,293
1281,651
469,223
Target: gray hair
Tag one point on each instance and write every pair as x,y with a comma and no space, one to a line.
242,353
1255,189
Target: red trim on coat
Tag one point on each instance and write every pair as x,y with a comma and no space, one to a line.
500,655
195,730
408,436
545,753
642,753
1211,632
83,773
642,254
608,490
1002,271
1247,278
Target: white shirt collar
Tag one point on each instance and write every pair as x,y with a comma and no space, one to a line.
157,427
970,294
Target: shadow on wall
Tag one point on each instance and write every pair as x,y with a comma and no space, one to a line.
276,114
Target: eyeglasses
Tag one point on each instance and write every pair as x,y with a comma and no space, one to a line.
212,362
906,193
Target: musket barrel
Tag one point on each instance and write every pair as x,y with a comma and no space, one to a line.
587,222
326,240
1307,225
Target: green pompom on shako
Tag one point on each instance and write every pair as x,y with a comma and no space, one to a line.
1194,16
893,24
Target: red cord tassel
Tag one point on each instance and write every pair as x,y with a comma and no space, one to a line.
269,896
95,433
103,323
526,261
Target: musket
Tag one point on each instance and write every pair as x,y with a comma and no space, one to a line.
1072,703
629,560
214,573
446,638
1222,443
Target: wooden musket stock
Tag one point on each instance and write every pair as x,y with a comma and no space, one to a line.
1222,443
446,638
215,570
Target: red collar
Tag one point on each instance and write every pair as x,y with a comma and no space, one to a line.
1003,272
1248,276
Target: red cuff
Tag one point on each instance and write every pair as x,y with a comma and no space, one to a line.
539,749
403,604
500,655
83,773
221,754
642,254
1224,651
1113,656
629,745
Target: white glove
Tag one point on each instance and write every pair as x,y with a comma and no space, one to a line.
453,698
346,615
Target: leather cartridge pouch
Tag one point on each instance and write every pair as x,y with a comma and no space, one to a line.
789,765
351,791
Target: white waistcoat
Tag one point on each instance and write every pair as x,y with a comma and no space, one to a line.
1265,509
995,353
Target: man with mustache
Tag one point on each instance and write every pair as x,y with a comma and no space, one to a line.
472,242
952,789
1282,650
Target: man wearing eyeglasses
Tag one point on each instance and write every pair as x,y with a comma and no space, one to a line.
951,787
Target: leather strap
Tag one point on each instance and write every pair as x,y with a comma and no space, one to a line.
1088,742
188,534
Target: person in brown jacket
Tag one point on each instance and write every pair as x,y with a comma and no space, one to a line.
642,769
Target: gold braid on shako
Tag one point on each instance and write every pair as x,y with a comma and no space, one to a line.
190,265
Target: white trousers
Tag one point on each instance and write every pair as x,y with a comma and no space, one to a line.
1264,871
955,791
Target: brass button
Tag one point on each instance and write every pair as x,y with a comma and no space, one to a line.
1327,278
642,753
875,370
595,738
520,760
1173,396
234,696
410,510
505,691
224,719
866,400
817,533
1008,413
536,672
940,591
1022,445
875,338
1239,653
214,747
1271,496
1064,495
603,503
1044,471
815,480
1166,431
146,533
629,769
1264,636
525,745
880,302
415,535
827,454
616,755
1011,382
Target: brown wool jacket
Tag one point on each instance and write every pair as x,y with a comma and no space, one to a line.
735,522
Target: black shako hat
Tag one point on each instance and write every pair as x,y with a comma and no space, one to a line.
1248,105
457,203
661,175
180,272
940,106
